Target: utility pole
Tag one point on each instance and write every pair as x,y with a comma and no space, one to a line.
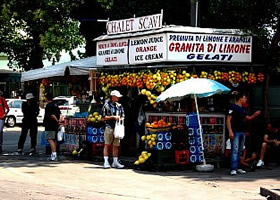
195,19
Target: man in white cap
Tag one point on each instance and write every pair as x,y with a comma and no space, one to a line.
30,111
111,112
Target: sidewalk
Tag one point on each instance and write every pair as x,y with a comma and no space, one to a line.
265,180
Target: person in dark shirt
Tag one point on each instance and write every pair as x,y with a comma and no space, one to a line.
30,110
236,120
52,119
271,140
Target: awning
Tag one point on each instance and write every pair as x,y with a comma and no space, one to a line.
77,67
9,76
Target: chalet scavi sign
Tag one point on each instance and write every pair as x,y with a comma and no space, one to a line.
175,47
134,24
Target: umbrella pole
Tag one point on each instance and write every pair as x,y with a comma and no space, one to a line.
200,128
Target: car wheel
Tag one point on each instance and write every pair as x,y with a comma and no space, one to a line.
11,121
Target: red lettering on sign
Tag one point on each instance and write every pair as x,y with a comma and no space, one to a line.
111,59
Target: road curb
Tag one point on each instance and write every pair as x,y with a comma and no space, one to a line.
271,193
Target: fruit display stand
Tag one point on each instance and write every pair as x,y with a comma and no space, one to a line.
161,147
158,144
166,144
152,82
213,125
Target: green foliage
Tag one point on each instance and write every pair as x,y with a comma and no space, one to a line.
106,4
30,29
59,37
174,12
260,17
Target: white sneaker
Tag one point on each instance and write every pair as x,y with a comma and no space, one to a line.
52,159
241,171
107,165
260,163
117,165
233,172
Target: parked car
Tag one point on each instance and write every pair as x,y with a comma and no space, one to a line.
67,105
15,114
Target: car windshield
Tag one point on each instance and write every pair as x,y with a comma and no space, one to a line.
17,104
61,102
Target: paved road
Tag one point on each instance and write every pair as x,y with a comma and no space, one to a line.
25,177
11,136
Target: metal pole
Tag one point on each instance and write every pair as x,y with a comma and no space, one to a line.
200,129
196,13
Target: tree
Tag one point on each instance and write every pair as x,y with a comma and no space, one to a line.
174,12
261,18
88,15
92,10
32,29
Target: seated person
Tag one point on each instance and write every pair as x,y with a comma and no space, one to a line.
248,161
271,142
245,160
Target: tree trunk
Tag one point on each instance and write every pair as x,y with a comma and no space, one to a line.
36,55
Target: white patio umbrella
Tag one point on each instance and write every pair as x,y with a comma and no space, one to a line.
198,87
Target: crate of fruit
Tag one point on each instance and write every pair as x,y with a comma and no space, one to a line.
158,126
95,119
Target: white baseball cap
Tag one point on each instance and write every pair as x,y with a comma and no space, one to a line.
116,93
29,96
